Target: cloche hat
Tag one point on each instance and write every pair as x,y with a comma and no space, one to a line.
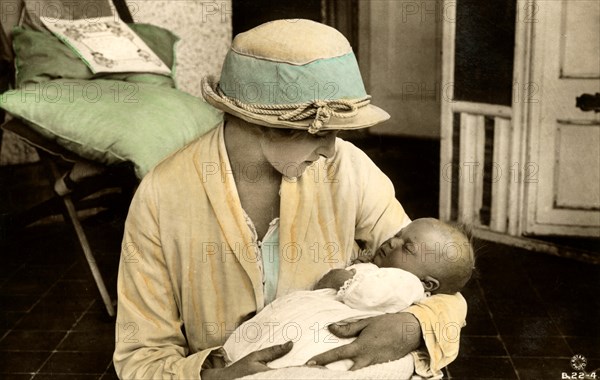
296,74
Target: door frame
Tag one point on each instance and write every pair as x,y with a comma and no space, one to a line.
531,111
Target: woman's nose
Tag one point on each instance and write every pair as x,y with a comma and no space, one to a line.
327,146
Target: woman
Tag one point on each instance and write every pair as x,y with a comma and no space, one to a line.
261,206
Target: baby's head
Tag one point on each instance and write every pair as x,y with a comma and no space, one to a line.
439,254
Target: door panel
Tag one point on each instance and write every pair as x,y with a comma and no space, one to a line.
580,56
577,175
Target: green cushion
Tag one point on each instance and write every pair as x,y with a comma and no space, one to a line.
40,57
113,121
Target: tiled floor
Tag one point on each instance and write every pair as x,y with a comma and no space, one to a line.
53,324
528,313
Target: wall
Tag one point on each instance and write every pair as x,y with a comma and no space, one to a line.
400,59
205,31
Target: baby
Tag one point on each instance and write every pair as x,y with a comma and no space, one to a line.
425,257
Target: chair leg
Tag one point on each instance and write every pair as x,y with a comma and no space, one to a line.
72,213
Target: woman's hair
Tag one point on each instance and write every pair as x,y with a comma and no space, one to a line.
275,134
270,133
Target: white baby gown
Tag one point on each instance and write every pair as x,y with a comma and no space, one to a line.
303,316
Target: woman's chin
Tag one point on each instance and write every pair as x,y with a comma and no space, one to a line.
296,171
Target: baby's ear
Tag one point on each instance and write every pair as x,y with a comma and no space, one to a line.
430,284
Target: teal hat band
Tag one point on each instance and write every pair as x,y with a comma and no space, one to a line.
258,81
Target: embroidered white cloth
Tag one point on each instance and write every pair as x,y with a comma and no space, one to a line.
303,316
401,369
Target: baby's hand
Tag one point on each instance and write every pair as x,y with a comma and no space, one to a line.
335,278
363,259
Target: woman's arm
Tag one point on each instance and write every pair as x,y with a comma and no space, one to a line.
391,336
441,318
432,326
150,342
248,365
378,340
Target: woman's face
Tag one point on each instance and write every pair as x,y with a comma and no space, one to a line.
290,152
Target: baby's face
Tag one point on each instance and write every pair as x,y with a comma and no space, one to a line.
418,248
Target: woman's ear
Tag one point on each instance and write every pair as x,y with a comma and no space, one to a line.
430,284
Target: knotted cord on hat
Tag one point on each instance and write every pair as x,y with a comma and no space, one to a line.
323,109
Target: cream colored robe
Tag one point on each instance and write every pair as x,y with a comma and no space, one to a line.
189,273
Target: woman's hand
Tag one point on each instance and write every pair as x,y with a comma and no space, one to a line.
379,339
249,364
335,278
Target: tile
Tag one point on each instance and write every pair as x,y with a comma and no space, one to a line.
79,271
98,305
7,269
582,297
593,365
476,302
12,361
541,267
67,302
542,368
517,308
17,376
8,319
526,327
74,289
93,341
481,346
29,282
17,302
578,326
110,374
481,368
586,346
479,325
66,376
77,362
42,318
538,346
503,290
58,250
28,340
69,295
572,310
94,321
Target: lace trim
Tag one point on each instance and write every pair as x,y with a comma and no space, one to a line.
342,291
259,243
347,284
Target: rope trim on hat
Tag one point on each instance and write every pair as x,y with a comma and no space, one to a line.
323,109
